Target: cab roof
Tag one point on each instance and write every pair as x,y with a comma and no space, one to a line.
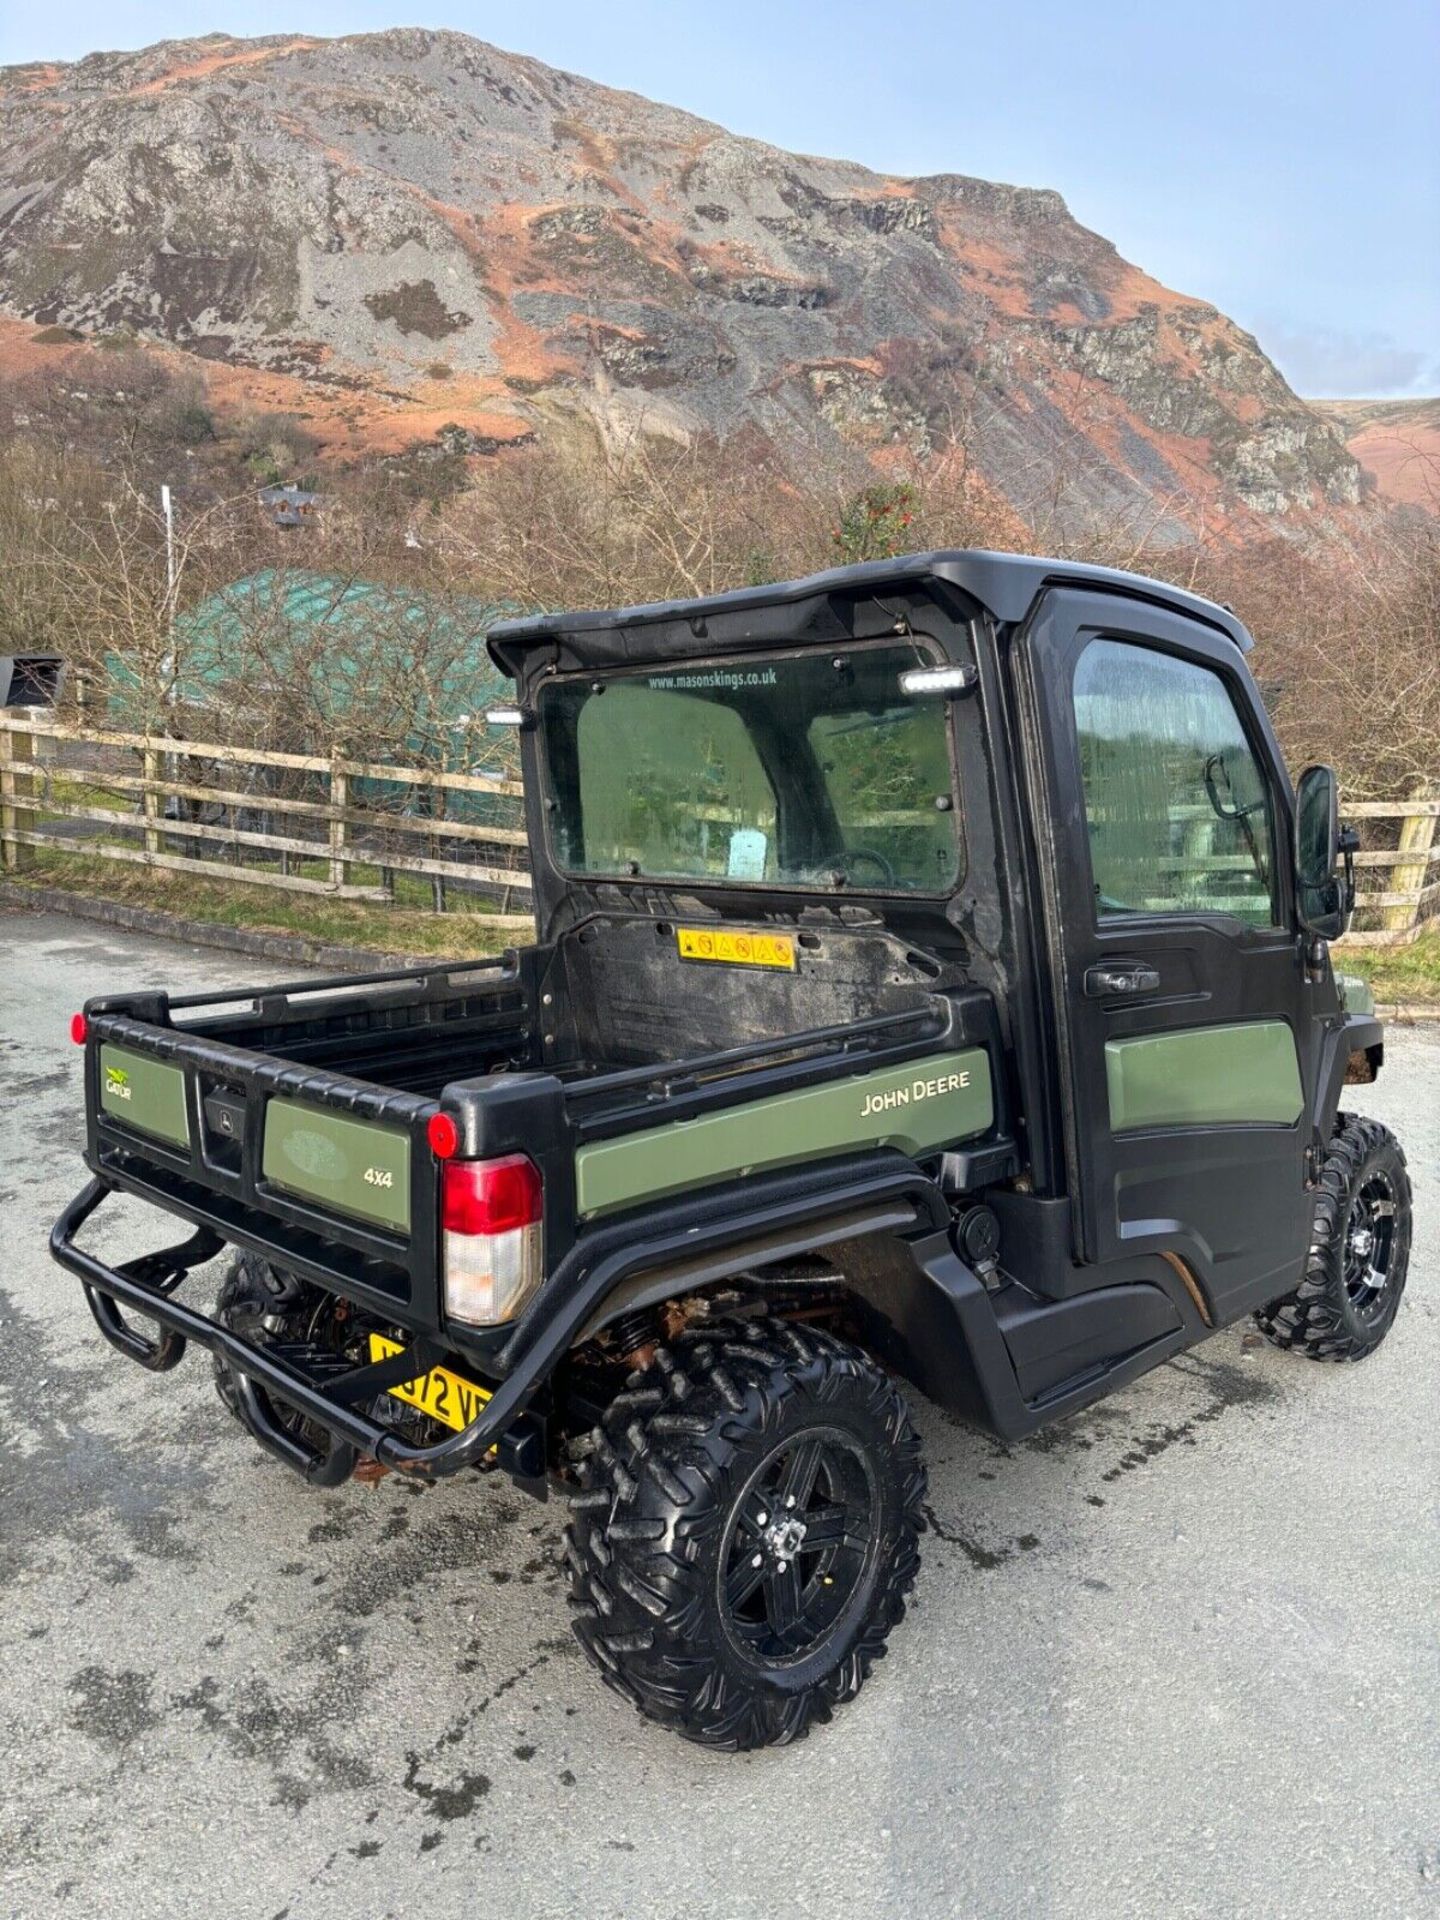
1006,585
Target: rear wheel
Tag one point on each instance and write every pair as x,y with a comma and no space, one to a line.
746,1532
272,1308
1359,1253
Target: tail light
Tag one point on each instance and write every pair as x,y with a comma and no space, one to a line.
490,1214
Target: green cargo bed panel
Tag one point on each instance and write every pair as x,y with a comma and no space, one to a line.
919,1108
146,1094
346,1166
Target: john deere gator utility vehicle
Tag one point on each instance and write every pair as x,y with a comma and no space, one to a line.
931,990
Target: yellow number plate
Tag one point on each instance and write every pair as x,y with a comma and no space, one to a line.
443,1395
736,949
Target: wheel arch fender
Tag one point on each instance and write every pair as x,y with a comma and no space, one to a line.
651,1286
1009,1361
1358,1037
922,1310
926,1314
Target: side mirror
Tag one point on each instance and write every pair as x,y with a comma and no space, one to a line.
1320,895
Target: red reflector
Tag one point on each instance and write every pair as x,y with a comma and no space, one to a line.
79,1028
443,1135
490,1196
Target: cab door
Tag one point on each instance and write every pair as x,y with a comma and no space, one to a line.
1181,1004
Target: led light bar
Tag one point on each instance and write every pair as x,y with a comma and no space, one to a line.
949,680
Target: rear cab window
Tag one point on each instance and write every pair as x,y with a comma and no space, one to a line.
809,770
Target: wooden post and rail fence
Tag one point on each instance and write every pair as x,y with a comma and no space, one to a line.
1412,895
53,775
291,821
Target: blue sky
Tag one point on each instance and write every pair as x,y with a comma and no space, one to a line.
1278,158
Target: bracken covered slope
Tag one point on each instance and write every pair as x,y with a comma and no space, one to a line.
399,230
1396,441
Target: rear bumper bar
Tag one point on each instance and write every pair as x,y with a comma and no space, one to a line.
789,1213
148,1285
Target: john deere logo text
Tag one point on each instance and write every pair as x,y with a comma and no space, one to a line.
117,1081
918,1090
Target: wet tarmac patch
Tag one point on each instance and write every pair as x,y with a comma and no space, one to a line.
984,1558
78,1479
339,1526
37,1083
1229,1386
453,1802
290,1737
113,1707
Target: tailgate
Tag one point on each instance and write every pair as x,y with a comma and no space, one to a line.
310,1168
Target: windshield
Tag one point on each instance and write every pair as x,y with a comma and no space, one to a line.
808,770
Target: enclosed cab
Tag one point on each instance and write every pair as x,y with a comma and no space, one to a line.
931,984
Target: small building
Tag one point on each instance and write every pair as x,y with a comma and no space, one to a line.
30,679
291,506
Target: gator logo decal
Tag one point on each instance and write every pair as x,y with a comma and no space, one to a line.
314,1156
117,1082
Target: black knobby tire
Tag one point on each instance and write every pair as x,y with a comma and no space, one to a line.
266,1304
675,1510
247,1294
1359,1251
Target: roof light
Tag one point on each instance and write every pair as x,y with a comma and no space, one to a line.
947,680
509,717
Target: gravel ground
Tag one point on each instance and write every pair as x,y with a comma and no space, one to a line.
1175,1657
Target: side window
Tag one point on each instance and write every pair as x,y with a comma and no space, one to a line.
1177,807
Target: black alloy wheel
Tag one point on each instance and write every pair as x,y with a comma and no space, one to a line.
746,1530
1354,1277
799,1544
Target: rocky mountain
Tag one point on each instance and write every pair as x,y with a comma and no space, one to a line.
398,232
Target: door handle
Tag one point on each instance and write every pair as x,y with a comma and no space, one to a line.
1123,978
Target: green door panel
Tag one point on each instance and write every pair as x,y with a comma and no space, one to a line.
1205,1076
349,1166
146,1094
919,1108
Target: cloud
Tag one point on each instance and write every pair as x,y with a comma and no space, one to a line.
1331,363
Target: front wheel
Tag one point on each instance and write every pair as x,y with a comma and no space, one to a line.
1359,1252
746,1532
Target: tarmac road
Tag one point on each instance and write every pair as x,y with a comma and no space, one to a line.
1180,1656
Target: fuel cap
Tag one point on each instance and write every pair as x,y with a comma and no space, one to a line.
977,1236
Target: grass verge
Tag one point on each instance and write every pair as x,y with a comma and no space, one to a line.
1409,975
355,923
